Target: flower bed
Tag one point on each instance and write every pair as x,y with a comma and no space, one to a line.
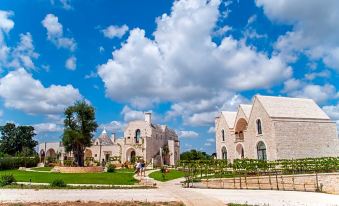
95,169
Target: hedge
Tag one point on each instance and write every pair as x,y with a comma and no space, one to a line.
16,162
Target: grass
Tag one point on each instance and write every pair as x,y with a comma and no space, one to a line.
42,168
116,178
171,175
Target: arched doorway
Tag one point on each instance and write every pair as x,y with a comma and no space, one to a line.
224,153
131,155
240,151
51,153
240,128
261,151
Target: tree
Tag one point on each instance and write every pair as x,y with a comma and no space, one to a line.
80,125
194,155
16,140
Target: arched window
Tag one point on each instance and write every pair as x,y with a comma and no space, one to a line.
223,135
224,153
261,151
137,135
259,130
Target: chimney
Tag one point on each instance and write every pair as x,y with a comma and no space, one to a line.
113,137
148,117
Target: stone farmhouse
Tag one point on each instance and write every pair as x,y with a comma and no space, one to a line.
142,140
273,128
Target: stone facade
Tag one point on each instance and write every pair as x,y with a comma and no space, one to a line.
276,128
142,139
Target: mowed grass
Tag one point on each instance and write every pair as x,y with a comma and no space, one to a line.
171,175
116,178
42,168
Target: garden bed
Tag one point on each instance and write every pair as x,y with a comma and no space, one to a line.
95,169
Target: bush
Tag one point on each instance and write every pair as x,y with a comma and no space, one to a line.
7,180
58,183
7,163
111,168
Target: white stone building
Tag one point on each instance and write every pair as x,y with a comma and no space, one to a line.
142,139
276,128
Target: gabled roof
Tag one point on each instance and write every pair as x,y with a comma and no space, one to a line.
104,139
229,117
247,108
286,107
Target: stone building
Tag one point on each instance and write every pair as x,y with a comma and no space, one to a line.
142,140
276,128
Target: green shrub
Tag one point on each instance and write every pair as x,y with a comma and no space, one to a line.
7,180
111,168
58,183
7,163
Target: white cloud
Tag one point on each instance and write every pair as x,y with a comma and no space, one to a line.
211,130
208,144
65,4
71,63
210,140
1,113
91,75
333,112
47,128
21,91
319,93
6,24
183,64
130,114
114,126
55,33
315,28
187,134
114,31
23,54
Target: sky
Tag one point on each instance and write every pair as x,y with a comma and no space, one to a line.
183,60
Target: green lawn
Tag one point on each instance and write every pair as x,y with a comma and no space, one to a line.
116,178
173,174
42,168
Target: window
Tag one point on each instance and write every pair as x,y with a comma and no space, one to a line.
261,151
223,135
224,153
137,135
259,130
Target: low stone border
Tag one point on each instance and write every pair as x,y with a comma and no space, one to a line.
96,169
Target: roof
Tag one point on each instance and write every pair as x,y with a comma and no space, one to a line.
247,108
229,117
286,107
104,139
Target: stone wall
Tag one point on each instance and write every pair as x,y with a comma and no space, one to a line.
324,182
301,139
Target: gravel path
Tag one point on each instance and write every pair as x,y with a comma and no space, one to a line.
172,191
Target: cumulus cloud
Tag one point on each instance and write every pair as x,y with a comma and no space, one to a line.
6,24
24,54
211,130
130,114
114,126
43,128
114,31
319,93
315,28
182,63
71,63
187,134
55,33
21,91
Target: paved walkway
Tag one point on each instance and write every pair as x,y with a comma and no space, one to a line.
172,191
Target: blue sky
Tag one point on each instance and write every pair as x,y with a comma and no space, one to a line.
183,60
